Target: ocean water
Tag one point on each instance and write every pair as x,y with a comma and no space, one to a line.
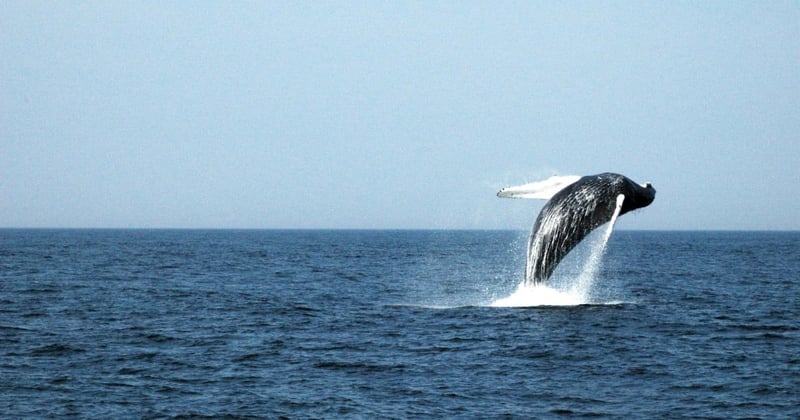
396,324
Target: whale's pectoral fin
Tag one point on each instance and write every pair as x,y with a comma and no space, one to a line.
542,190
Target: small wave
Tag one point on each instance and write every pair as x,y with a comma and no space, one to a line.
359,367
428,306
56,350
13,328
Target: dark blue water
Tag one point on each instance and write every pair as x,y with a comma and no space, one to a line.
138,323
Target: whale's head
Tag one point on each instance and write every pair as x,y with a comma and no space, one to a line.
636,195
644,194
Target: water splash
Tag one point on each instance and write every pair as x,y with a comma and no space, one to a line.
528,295
576,292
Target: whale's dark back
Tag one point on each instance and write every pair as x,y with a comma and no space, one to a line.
573,213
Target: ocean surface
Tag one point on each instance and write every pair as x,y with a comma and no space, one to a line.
396,324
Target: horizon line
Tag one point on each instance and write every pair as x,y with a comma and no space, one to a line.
375,229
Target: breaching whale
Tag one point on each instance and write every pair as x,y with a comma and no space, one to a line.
576,206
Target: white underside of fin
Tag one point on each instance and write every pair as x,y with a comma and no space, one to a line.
620,200
542,190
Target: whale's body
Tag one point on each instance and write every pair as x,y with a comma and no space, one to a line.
577,205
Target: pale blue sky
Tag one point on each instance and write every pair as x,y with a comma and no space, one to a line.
394,114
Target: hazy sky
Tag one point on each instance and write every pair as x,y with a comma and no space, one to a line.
400,114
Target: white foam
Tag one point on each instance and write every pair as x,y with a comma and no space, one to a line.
540,295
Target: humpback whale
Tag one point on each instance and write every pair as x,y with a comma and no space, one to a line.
576,206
